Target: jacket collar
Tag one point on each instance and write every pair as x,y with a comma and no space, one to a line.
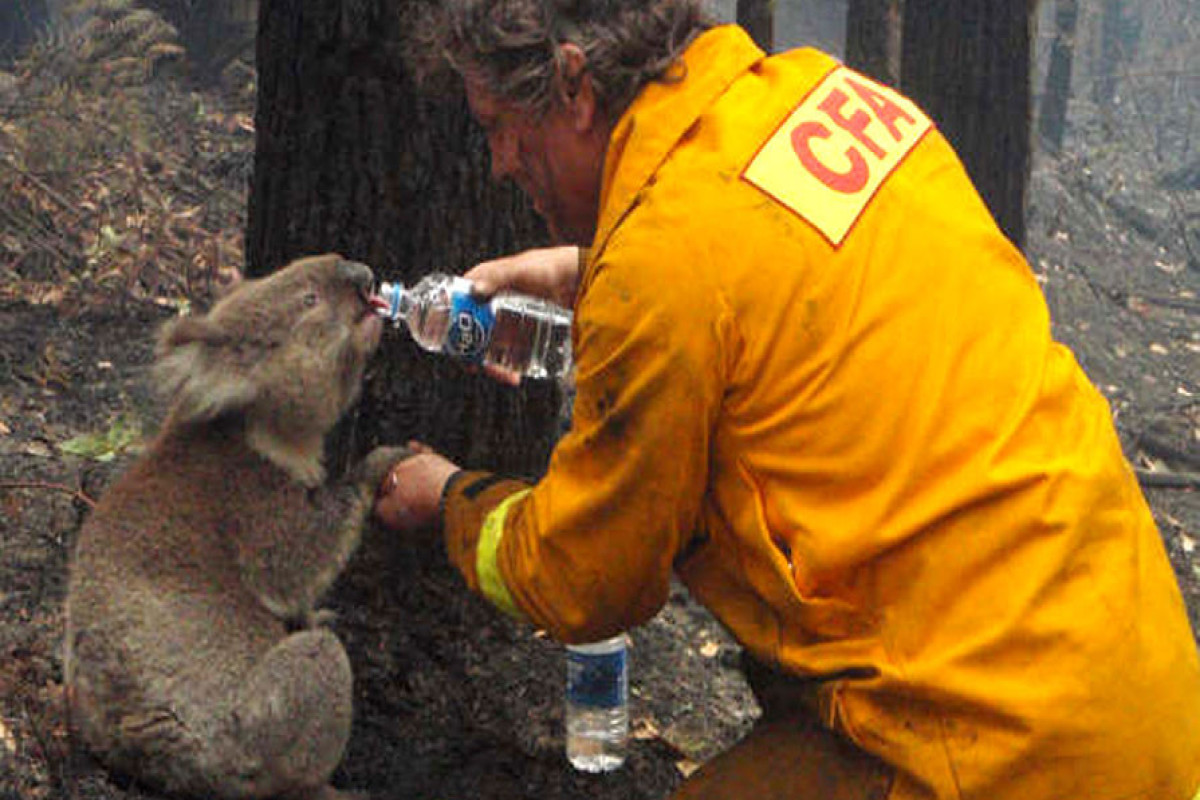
660,116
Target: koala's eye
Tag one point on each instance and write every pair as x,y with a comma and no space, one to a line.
310,299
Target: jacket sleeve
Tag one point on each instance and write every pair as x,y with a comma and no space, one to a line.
588,551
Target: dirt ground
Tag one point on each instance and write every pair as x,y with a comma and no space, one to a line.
453,701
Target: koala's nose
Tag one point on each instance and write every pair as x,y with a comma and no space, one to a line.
358,274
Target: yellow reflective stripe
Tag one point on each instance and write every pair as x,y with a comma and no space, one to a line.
1197,795
491,582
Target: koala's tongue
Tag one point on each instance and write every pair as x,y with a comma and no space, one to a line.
378,303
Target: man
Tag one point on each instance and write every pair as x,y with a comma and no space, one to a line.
816,382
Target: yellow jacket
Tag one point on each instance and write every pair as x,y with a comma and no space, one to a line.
815,379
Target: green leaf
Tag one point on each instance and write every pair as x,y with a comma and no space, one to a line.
124,435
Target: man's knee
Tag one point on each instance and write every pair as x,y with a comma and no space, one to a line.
796,759
789,754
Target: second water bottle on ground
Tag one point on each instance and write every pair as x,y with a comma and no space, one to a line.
515,333
597,707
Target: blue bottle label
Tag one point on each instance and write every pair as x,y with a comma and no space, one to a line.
471,325
597,680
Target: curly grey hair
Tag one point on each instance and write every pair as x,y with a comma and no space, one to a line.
513,45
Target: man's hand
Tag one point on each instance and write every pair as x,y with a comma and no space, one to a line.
551,273
410,495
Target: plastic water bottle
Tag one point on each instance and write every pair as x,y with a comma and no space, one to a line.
513,332
597,708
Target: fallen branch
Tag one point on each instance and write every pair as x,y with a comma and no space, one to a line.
1163,450
32,228
66,204
1179,303
55,487
1159,479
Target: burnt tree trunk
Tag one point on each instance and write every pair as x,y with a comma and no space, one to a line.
758,19
20,23
1108,57
1052,122
967,62
350,158
873,39
1120,30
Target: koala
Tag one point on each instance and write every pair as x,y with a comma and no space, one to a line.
194,658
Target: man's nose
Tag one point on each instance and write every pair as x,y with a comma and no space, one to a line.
504,157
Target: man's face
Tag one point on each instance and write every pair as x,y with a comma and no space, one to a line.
552,158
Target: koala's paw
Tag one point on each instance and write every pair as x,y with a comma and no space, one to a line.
378,463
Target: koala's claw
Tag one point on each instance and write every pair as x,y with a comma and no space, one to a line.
308,620
379,463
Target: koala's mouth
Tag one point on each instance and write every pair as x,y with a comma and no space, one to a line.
369,322
372,304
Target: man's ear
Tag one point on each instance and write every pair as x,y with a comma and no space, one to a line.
575,89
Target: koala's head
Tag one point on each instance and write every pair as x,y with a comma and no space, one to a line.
286,352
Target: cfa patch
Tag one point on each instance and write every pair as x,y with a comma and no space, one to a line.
833,152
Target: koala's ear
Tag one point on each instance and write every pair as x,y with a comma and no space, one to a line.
192,371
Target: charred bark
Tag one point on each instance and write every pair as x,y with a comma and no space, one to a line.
873,39
758,18
967,62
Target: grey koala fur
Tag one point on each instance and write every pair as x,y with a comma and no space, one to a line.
193,657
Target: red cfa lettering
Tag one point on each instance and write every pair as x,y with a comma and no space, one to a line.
833,106
885,110
835,151
848,182
855,124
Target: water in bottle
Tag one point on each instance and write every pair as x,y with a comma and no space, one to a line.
597,707
515,333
